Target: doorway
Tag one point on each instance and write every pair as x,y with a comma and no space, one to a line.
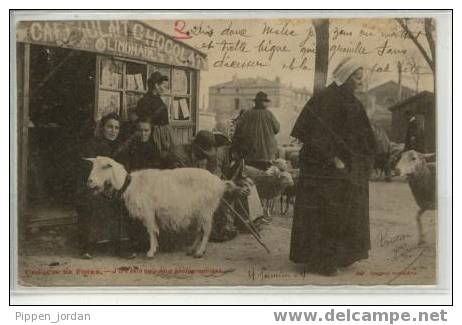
62,97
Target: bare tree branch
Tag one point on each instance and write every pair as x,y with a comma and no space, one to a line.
431,41
426,56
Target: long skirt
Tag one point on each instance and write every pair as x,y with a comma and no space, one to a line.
355,237
170,151
163,138
101,219
319,220
331,219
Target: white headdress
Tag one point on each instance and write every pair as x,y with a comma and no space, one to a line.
345,69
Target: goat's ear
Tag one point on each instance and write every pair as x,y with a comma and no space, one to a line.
89,159
118,176
429,157
107,166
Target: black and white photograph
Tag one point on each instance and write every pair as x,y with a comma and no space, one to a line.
227,152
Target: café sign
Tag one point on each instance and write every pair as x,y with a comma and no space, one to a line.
114,37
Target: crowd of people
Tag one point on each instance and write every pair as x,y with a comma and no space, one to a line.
331,214
146,141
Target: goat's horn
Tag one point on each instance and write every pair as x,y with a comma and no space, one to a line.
429,155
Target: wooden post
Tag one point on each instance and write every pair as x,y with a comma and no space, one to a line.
321,62
22,75
196,99
400,87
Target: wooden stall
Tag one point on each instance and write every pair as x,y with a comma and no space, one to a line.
71,73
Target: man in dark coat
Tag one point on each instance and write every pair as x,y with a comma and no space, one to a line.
259,126
414,134
331,217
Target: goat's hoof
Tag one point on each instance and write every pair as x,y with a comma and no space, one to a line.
198,255
150,254
190,252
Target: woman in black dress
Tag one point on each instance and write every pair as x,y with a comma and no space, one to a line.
331,216
101,218
152,106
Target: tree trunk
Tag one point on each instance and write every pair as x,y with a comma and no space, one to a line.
321,62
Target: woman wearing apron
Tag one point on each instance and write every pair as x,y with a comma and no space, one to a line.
153,107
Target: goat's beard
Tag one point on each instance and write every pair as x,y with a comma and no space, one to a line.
231,189
107,190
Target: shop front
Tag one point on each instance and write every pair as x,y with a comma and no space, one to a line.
69,75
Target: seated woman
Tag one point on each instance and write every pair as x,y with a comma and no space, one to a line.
143,153
101,218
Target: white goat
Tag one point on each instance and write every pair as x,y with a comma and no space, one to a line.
163,199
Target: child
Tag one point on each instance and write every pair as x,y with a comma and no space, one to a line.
143,152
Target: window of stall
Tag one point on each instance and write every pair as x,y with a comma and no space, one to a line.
178,94
122,83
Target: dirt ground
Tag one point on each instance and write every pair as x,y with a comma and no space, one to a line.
50,257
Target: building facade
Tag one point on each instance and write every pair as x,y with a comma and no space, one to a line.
380,98
423,105
229,97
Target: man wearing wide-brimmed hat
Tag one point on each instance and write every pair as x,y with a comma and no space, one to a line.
259,126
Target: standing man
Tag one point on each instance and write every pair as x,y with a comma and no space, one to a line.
234,121
331,215
414,134
259,126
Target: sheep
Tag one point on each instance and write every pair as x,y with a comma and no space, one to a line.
163,199
421,178
294,158
281,152
270,183
288,195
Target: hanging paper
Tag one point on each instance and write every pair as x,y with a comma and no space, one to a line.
184,108
176,111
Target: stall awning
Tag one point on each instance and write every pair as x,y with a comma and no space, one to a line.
124,38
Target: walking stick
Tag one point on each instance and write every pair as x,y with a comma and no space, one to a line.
256,236
238,173
249,222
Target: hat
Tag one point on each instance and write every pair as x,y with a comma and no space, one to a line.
242,146
157,77
345,69
221,139
204,143
261,97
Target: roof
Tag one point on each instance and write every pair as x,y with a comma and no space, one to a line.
390,83
257,82
248,82
420,99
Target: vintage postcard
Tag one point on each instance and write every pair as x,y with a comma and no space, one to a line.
226,152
